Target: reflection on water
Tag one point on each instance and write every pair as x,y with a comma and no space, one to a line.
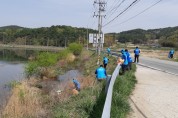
12,68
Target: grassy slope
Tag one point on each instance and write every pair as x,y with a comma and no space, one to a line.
123,87
89,103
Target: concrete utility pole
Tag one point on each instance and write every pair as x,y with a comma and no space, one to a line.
101,9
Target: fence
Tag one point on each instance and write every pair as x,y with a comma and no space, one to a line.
107,105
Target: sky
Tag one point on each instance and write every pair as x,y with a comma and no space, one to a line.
79,13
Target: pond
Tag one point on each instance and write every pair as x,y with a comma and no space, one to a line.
12,63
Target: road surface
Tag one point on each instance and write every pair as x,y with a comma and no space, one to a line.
168,66
156,93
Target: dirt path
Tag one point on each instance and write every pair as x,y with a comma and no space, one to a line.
155,95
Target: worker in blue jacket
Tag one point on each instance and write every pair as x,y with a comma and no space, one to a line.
105,61
108,51
129,59
77,84
137,53
125,63
101,73
171,53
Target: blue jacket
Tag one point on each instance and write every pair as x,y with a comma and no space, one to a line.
129,58
77,84
124,56
105,60
171,52
108,49
136,51
100,73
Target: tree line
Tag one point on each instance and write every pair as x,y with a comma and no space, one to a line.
46,36
167,37
61,36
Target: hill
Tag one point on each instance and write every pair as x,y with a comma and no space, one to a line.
11,27
46,36
165,36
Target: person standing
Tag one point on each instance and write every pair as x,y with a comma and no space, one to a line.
171,53
125,63
101,73
129,58
105,61
137,53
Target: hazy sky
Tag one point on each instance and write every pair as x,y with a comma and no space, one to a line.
79,13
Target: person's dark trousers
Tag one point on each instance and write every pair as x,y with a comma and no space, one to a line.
105,65
130,66
136,58
171,55
124,67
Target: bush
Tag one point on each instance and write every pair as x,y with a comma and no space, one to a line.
47,59
44,59
75,48
31,68
63,54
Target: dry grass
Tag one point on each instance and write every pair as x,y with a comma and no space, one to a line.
25,102
28,101
160,54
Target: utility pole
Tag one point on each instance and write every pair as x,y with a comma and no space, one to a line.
99,14
87,37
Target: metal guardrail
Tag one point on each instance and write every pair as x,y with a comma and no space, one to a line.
107,105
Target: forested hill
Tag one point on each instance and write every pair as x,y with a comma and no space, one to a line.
11,27
164,36
51,36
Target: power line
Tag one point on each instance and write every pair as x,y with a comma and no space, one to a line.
112,6
142,11
115,8
121,12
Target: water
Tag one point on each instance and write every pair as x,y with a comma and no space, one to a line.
11,69
69,75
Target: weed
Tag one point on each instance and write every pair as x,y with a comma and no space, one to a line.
21,96
122,89
13,84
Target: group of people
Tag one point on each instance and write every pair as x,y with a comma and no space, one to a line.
101,71
127,59
126,65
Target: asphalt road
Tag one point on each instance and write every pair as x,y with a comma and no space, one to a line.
164,65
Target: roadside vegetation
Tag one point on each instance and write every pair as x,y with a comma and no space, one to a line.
123,87
34,97
89,103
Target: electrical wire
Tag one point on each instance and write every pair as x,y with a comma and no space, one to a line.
112,6
115,8
134,2
142,11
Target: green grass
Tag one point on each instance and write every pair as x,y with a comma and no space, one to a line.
123,87
85,105
90,102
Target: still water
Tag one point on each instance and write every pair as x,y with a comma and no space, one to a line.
11,68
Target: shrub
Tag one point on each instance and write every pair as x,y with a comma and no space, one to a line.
63,54
31,68
44,59
75,48
47,59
